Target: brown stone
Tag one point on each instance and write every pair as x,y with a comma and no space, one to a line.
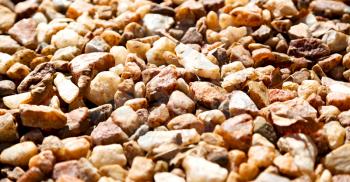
24,32
310,48
8,45
108,133
186,121
7,18
207,94
180,103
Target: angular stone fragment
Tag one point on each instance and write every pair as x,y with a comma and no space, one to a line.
238,131
186,121
108,133
6,62
329,7
302,148
335,134
66,88
77,123
8,128
68,37
7,87
18,71
207,94
281,8
7,18
78,7
115,172
81,169
43,117
24,32
156,22
258,93
300,30
14,101
100,113
107,155
89,65
19,154
180,103
163,84
26,9
165,176
155,54
249,15
310,48
126,118
155,139
338,160
142,169
199,169
238,79
44,161
67,53
97,44
74,148
8,45
336,41
158,116
197,62
240,103
265,177
103,87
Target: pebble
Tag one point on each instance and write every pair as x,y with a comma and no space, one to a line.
24,31
158,116
156,22
337,160
198,169
18,71
165,176
281,9
240,103
155,54
103,87
74,148
207,94
8,128
8,45
154,139
211,118
6,62
7,19
108,133
97,44
236,80
237,131
262,156
14,101
249,15
66,88
107,155
335,134
43,117
197,62
179,103
186,121
19,154
300,30
309,48
127,119
44,161
142,169
67,37
336,41
7,87
115,171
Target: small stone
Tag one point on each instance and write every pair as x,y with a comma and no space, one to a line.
279,95
77,123
339,99
66,53
249,15
126,118
211,118
19,154
8,128
329,7
336,41
100,113
207,94
108,133
142,169
26,9
158,116
97,44
7,19
81,169
248,171
310,48
186,121
199,169
44,161
156,139
24,31
340,177
107,155
18,71
330,113
115,172
7,87
155,54
66,88
179,103
165,176
265,128
74,148
103,87
163,84
156,22
302,149
237,80
240,103
197,62
258,93
14,101
6,62
262,33
240,54
238,131
43,117
265,177
335,134
33,174
8,45
281,8
286,165
137,103
300,30
262,156
67,37
34,135
77,8
192,36
337,160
